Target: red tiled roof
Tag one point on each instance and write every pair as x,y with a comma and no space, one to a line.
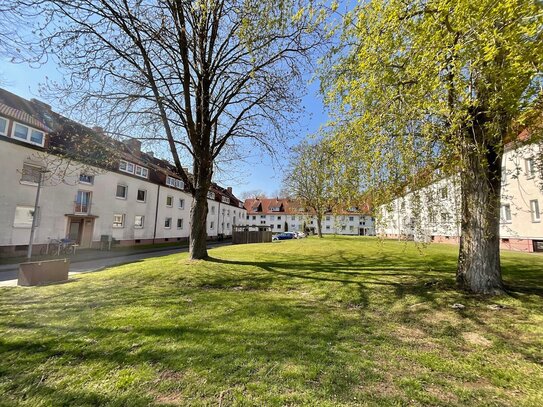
22,117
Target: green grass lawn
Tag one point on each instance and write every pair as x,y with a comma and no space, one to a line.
332,322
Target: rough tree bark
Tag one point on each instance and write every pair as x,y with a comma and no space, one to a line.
479,268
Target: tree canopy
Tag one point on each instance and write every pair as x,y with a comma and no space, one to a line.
420,85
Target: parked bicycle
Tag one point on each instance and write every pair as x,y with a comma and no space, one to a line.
56,247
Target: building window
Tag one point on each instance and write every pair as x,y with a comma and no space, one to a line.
225,200
262,216
181,203
328,218
279,218
351,218
211,225
272,217
142,172
293,217
168,223
23,217
86,179
180,223
142,195
534,209
30,174
444,217
82,202
122,191
175,183
211,195
28,134
139,221
443,193
169,201
506,213
530,167
126,166
3,126
227,225
278,226
254,217
327,227
213,210
118,220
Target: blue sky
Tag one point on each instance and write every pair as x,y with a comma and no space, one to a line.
257,172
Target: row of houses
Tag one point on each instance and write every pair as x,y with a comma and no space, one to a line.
93,187
433,213
284,215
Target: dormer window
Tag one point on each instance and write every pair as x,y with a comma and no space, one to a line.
275,208
28,134
225,200
240,204
175,183
3,126
211,195
142,172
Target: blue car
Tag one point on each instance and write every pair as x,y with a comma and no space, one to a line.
283,236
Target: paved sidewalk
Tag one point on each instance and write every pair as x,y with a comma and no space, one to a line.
8,277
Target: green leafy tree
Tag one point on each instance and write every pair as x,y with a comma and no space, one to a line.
310,179
419,85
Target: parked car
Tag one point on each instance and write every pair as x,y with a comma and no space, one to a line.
300,235
283,236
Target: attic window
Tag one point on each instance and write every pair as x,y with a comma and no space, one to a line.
175,183
225,199
28,134
240,204
211,195
275,208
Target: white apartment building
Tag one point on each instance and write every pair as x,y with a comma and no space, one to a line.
283,215
135,198
433,213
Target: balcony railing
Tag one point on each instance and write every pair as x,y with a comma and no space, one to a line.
81,208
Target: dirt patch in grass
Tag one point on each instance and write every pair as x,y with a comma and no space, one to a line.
473,338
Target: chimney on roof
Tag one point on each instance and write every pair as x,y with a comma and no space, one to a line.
150,153
41,104
229,189
186,170
134,145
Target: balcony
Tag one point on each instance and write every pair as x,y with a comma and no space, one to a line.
81,208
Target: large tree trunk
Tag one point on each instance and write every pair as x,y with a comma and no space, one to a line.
479,269
319,226
198,214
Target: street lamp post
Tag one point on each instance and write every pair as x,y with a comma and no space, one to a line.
35,215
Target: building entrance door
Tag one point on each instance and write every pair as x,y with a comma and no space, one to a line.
74,231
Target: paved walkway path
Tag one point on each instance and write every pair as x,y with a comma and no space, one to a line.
8,278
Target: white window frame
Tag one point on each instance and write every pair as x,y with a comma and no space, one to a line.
212,209
118,225
181,203
91,182
143,172
167,222
28,138
178,226
506,213
125,191
225,200
88,203
210,195
169,199
530,167
126,165
25,182
535,211
212,225
28,224
5,132
142,223
145,195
